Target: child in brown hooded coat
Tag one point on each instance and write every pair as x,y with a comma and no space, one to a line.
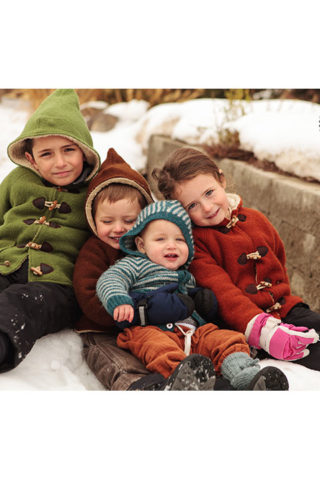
114,199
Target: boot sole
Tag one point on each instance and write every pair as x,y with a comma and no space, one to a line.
269,378
195,372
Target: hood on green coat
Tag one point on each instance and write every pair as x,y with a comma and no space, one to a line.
114,170
59,114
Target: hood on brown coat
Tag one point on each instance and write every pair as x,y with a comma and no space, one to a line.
114,170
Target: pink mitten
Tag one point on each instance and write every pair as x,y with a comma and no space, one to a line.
282,340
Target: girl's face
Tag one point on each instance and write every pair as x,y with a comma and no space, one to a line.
204,198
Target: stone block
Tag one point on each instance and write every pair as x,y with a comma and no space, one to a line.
158,150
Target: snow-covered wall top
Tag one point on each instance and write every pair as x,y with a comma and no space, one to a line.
285,132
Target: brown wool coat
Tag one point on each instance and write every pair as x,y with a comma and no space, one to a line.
95,256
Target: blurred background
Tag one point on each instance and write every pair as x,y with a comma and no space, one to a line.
162,95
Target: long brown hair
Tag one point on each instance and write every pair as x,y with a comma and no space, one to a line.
184,164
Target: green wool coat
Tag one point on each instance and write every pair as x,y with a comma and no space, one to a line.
44,224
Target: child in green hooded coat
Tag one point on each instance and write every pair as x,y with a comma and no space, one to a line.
43,224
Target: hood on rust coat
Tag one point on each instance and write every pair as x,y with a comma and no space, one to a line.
114,170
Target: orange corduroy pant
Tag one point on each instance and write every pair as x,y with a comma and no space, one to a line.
161,350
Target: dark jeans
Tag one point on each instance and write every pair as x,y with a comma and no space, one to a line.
31,310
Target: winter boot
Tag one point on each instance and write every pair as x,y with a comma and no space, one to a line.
156,381
4,347
223,384
152,381
195,372
269,378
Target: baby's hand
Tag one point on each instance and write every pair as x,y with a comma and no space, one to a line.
123,312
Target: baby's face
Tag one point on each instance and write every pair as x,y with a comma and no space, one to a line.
115,219
57,159
164,244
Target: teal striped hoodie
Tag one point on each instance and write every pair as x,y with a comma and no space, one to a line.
136,272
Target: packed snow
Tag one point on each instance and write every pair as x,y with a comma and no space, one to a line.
283,131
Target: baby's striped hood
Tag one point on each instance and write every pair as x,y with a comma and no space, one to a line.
170,210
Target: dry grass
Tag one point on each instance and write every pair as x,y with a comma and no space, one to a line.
159,95
153,96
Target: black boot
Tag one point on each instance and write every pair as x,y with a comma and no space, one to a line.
152,381
223,384
269,378
5,347
195,372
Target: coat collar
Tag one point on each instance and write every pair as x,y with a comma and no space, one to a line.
235,204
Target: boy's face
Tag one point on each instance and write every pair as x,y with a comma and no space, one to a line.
57,159
204,198
164,244
115,219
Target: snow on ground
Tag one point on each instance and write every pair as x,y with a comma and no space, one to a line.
285,131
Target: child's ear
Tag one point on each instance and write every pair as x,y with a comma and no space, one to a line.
140,244
30,159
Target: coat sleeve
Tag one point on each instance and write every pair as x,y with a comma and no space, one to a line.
91,263
114,284
235,308
5,204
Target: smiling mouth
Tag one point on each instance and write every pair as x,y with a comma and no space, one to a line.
171,255
213,215
62,174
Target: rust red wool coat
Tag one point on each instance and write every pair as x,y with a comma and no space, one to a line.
95,256
243,261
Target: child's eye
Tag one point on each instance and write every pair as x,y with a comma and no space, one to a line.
181,240
129,221
45,154
159,239
69,149
192,205
106,222
209,192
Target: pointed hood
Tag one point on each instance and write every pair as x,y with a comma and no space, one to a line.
114,170
59,114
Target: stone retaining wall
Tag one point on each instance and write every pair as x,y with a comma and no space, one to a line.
291,204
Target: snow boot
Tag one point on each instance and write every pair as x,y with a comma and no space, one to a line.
269,378
5,347
195,372
151,382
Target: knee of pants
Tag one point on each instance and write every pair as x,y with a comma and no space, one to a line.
113,366
137,334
